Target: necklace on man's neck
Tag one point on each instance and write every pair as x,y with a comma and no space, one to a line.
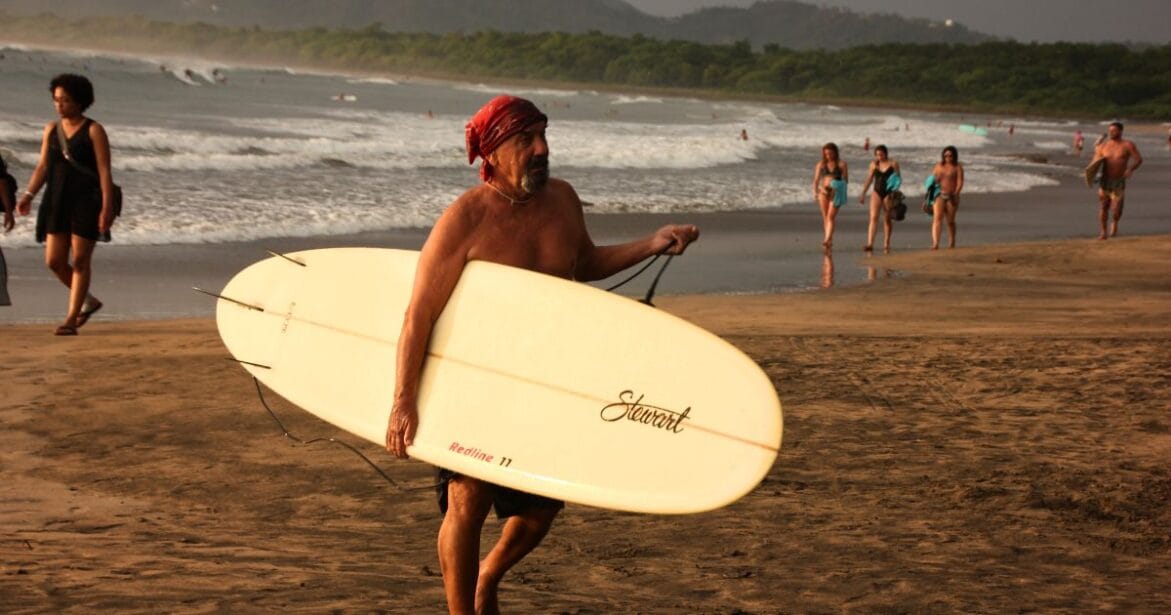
511,201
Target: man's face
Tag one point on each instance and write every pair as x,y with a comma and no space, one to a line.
1114,131
524,158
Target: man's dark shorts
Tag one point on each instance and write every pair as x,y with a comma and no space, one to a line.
507,502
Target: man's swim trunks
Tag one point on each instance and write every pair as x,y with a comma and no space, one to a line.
507,502
1115,189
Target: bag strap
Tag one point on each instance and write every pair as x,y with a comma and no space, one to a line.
69,155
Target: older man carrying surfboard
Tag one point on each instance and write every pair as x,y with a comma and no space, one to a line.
518,216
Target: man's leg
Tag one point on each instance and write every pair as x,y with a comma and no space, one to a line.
521,534
468,503
1103,212
1116,211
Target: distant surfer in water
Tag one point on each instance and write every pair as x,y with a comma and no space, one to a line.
949,174
1117,154
517,216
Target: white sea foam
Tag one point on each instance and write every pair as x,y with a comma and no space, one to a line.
623,99
494,90
1051,145
374,80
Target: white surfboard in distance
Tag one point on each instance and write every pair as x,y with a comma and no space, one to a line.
533,382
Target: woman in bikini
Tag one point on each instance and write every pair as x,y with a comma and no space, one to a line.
949,173
882,168
830,178
76,210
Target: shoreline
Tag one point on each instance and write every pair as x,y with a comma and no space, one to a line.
752,252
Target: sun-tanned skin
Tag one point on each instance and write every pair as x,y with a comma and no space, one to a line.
1118,154
522,218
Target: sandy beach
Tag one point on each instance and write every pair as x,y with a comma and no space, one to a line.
979,430
985,430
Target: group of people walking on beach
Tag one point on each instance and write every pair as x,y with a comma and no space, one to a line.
831,178
1117,158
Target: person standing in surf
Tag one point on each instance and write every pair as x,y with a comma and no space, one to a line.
883,170
517,216
1117,154
76,210
830,179
949,174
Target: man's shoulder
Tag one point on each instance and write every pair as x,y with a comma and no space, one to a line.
560,186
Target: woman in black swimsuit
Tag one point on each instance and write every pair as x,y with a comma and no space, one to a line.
881,170
76,210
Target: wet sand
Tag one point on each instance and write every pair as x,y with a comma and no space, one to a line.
985,430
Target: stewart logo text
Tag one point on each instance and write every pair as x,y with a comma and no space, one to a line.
640,413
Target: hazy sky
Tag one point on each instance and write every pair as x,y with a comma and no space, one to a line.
1023,20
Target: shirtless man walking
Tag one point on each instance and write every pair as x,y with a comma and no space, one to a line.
521,217
1117,168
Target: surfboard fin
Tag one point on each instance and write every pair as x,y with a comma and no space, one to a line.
219,296
288,258
241,362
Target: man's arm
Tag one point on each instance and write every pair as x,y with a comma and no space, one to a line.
441,262
1138,158
600,262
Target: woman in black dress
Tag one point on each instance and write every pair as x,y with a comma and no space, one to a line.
76,211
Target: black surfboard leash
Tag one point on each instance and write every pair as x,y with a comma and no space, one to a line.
285,431
650,293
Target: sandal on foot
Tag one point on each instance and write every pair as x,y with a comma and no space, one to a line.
83,317
66,330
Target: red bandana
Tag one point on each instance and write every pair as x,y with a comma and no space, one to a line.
494,123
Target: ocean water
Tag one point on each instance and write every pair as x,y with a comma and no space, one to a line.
210,152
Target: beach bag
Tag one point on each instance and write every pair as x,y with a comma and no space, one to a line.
115,196
898,206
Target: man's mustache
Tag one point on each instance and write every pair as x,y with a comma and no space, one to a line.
539,163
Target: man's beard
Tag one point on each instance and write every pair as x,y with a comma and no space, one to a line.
536,175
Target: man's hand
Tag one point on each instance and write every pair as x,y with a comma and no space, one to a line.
674,238
400,430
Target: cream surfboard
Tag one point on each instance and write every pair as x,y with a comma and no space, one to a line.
1093,171
532,382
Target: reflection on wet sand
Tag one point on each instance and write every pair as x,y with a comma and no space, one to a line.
872,271
827,270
